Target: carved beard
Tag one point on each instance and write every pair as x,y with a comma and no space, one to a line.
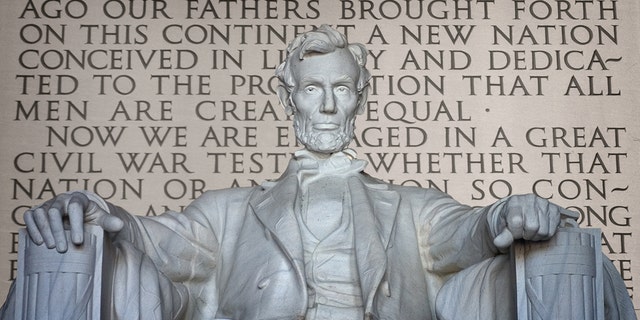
324,141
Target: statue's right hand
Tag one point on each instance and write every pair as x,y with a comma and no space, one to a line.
46,223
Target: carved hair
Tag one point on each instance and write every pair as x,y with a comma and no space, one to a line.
320,41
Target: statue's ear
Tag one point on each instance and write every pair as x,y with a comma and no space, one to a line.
284,96
362,99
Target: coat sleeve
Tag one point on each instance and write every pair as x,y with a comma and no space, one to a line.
454,236
173,257
184,245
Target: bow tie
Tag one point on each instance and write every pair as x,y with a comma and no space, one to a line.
312,167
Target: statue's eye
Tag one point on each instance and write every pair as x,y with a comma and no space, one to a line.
342,90
310,89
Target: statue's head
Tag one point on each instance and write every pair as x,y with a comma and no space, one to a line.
323,84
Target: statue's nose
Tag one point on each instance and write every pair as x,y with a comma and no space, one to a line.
328,105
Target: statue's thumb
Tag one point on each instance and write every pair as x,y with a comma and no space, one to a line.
111,223
503,240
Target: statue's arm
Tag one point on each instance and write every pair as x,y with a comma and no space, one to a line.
170,240
160,260
458,236
454,236
183,245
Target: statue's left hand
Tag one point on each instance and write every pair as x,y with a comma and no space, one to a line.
527,217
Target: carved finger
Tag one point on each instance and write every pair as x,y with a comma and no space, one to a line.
32,227
554,220
545,225
57,228
75,210
108,222
515,222
42,221
569,214
541,214
503,240
531,224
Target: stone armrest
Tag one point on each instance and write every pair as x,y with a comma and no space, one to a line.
561,278
74,285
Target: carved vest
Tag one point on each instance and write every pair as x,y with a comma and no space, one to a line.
329,252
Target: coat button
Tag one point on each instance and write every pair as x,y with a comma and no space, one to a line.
385,288
264,283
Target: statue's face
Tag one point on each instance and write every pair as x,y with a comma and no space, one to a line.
325,100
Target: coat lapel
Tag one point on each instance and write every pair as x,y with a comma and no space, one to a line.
275,209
